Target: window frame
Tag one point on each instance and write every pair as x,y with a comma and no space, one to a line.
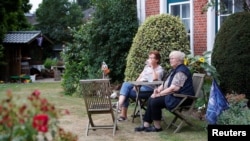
223,14
181,3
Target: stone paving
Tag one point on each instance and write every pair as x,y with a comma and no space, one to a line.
46,80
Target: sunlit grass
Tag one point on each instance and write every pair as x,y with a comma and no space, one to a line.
52,91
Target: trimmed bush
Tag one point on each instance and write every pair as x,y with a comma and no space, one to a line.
231,54
162,32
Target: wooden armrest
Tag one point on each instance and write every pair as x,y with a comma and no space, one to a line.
183,95
184,98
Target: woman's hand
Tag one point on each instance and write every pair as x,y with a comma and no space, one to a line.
134,88
156,91
155,94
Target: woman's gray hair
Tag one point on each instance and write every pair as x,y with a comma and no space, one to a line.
177,54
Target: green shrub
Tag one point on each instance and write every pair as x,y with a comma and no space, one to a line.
50,62
164,33
231,54
237,114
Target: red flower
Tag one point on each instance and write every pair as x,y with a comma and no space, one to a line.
36,93
40,122
22,109
44,101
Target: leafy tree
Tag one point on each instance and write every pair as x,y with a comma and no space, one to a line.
83,3
106,37
12,15
56,16
12,18
114,27
1,55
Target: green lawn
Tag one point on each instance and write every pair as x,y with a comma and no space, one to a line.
76,121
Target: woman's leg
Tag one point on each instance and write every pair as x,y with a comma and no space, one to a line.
124,93
127,92
145,93
123,113
123,101
154,107
146,119
157,104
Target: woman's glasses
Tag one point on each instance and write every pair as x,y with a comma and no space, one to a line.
151,58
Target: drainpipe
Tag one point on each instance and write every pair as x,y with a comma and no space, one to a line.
210,28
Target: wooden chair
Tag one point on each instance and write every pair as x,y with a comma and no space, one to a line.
96,94
198,80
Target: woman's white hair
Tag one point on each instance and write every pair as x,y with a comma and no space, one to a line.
177,54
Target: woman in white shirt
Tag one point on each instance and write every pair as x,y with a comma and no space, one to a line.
151,72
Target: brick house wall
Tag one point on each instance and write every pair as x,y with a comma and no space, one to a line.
200,27
200,22
152,7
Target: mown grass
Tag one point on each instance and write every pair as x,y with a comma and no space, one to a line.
77,120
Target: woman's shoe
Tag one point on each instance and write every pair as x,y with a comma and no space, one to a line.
122,119
140,128
153,129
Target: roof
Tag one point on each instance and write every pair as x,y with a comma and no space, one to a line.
21,36
31,18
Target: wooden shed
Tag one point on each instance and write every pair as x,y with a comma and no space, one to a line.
22,49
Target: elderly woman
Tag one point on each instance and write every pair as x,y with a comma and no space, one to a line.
179,81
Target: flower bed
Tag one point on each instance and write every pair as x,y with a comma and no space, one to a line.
31,119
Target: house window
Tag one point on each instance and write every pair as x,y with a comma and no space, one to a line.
181,8
182,11
228,7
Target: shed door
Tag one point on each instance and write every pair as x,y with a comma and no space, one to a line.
15,61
